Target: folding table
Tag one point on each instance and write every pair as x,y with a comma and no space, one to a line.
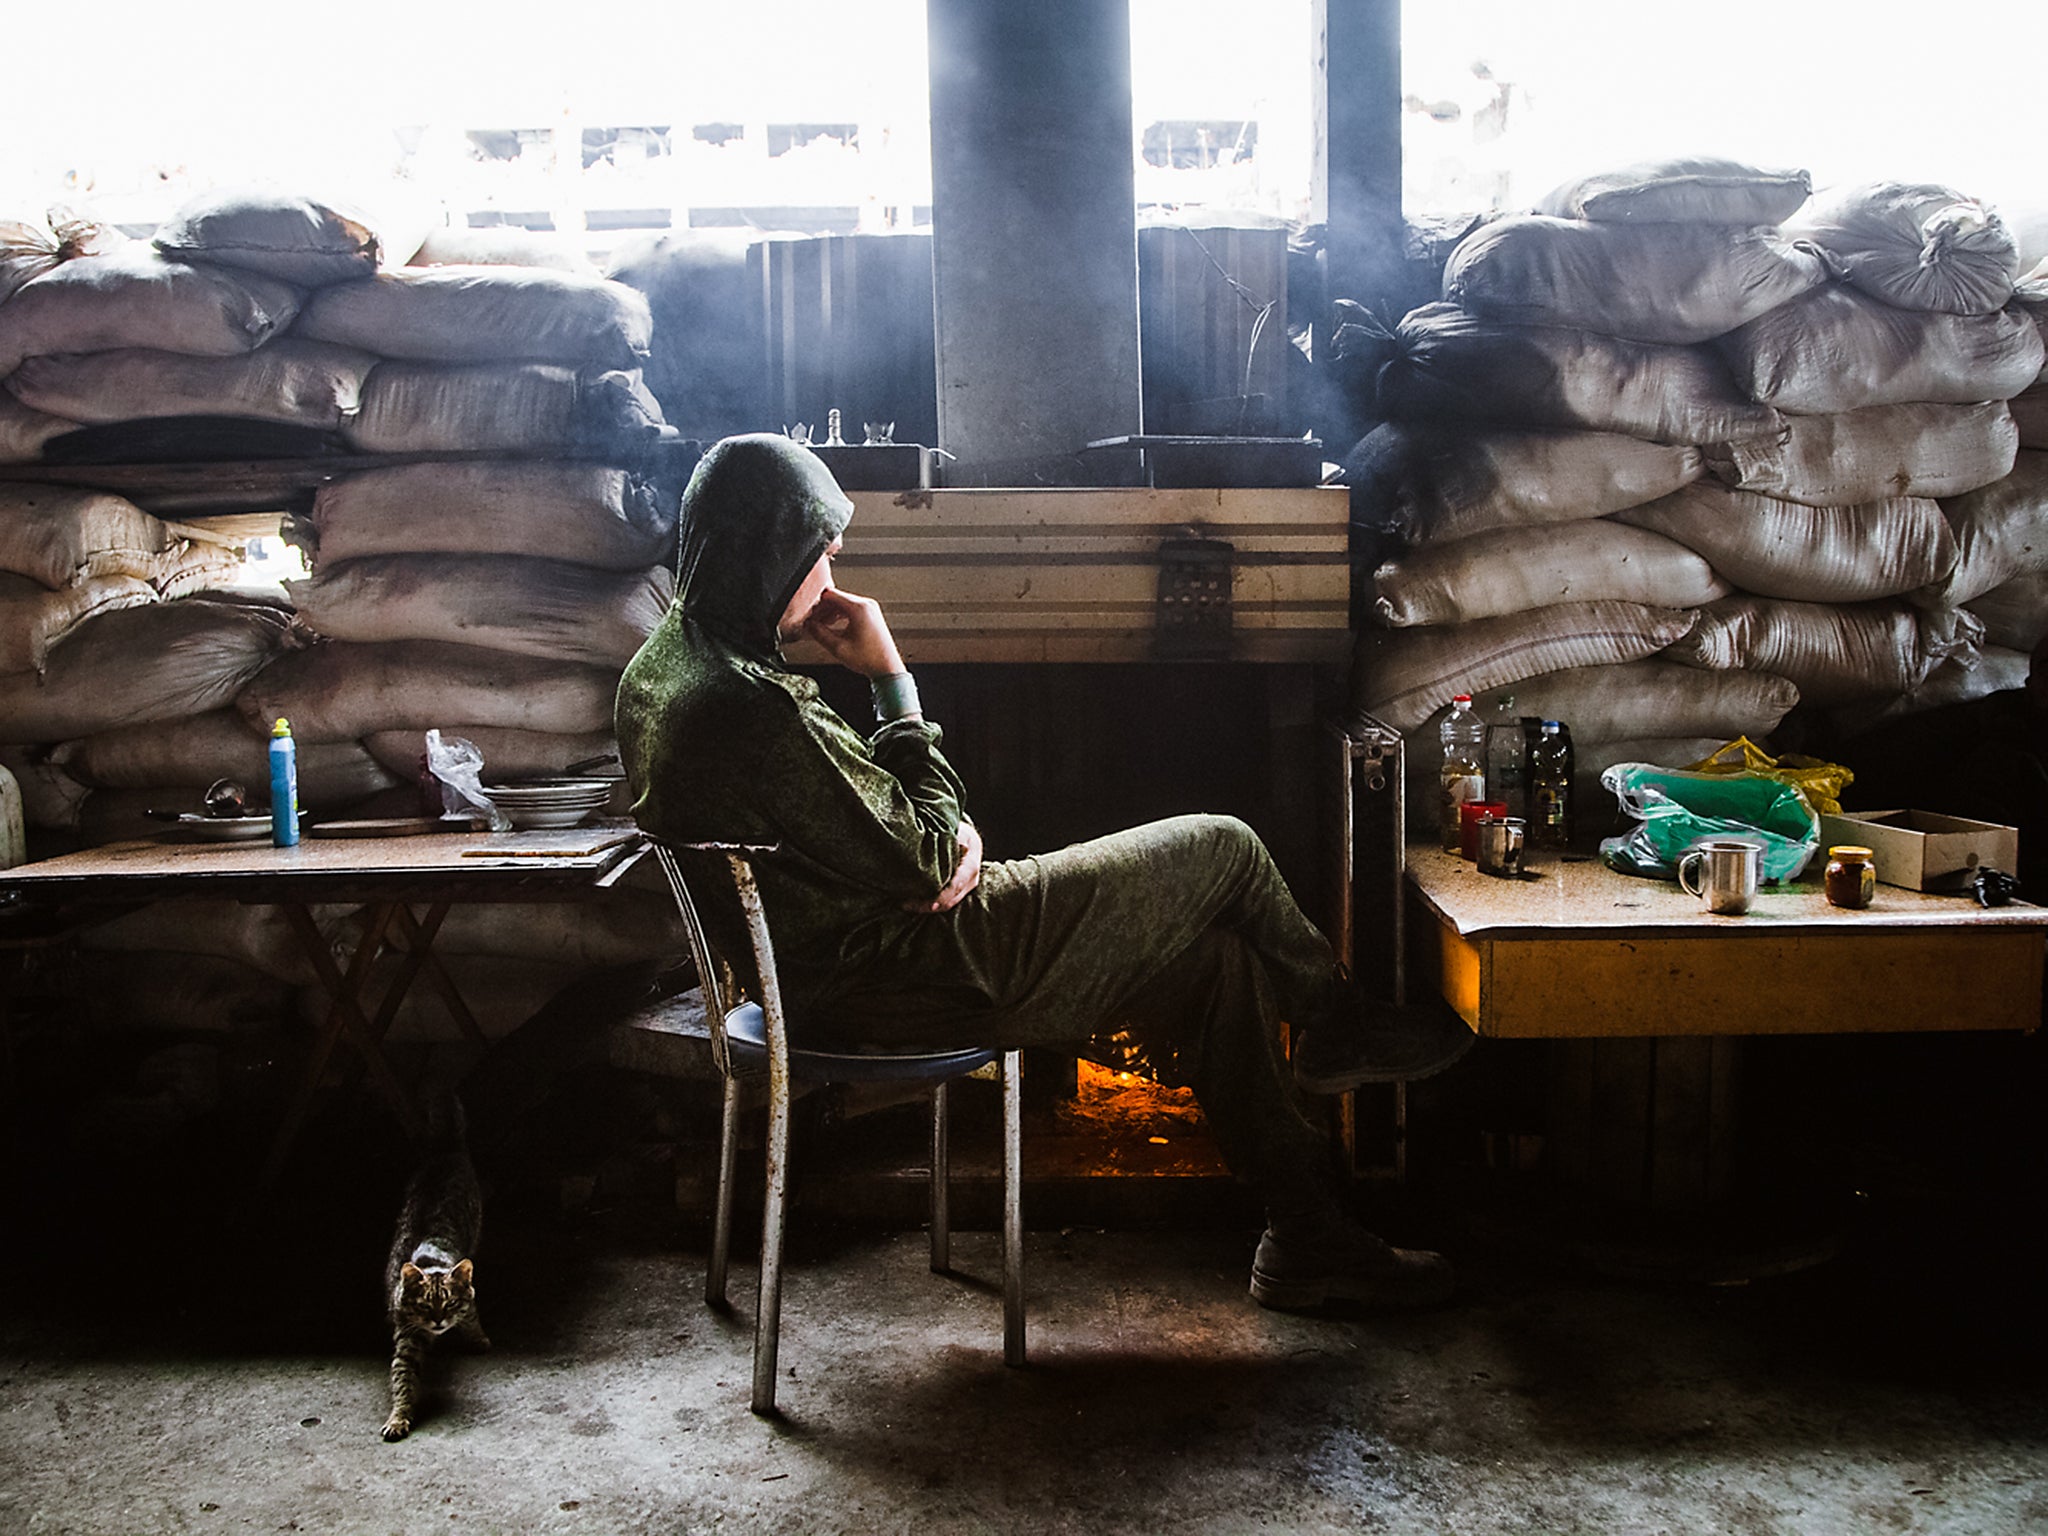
388,876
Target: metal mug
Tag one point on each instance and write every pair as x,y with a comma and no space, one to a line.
1500,845
1727,869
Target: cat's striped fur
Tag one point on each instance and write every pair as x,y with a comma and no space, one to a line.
430,1277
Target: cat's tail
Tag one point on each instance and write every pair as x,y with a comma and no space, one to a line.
447,1125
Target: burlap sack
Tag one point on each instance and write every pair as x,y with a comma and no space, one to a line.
1833,653
1880,451
210,568
278,233
1914,245
157,661
172,992
1838,350
509,754
1401,676
306,382
709,330
1420,484
2015,612
584,513
1681,191
1672,283
484,315
1514,570
1595,808
1632,701
506,245
505,602
623,927
254,933
27,251
2030,416
500,993
51,799
2001,533
23,431
31,247
1450,363
341,692
1808,554
191,753
58,534
1994,669
521,408
136,298
34,618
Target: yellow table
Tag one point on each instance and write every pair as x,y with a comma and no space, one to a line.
1649,996
1581,951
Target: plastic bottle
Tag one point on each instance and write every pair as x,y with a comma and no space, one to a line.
1550,782
1507,758
1463,776
284,785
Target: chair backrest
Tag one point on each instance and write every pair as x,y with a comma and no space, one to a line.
729,967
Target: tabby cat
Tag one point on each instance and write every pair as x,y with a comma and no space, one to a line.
430,1279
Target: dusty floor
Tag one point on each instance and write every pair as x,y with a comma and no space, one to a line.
164,1368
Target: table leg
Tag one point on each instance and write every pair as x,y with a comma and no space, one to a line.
419,944
344,1016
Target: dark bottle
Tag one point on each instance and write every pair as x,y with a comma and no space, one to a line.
1550,782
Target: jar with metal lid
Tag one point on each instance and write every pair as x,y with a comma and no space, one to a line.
1851,878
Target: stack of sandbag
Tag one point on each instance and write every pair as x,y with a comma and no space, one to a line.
123,642
264,307
1651,422
497,600
2030,405
132,709
1932,304
195,326
707,362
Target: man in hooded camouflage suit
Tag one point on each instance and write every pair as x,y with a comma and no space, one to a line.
890,930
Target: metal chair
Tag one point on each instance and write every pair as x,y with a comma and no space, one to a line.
748,1037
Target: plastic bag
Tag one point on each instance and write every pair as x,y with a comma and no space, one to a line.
458,766
1675,807
1821,782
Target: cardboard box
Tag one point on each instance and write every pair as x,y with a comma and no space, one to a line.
1923,851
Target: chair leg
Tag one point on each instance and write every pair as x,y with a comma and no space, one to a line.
721,1214
1013,1210
942,1229
768,1305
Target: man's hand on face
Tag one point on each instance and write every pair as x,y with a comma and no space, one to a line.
853,633
966,875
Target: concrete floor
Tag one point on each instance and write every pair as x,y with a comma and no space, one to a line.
176,1356
163,1369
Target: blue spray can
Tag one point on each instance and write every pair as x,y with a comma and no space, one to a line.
284,785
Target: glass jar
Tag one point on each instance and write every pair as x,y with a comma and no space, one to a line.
1851,878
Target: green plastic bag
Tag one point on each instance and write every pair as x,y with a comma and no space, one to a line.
1674,808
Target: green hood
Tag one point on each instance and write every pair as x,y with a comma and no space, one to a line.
756,515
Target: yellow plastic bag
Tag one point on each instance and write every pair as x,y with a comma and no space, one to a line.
1822,783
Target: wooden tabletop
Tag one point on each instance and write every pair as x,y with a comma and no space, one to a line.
1581,951
470,866
1580,893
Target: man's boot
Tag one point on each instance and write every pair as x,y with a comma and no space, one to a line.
1354,1041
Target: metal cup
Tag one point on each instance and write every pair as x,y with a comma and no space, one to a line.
1500,845
1726,869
